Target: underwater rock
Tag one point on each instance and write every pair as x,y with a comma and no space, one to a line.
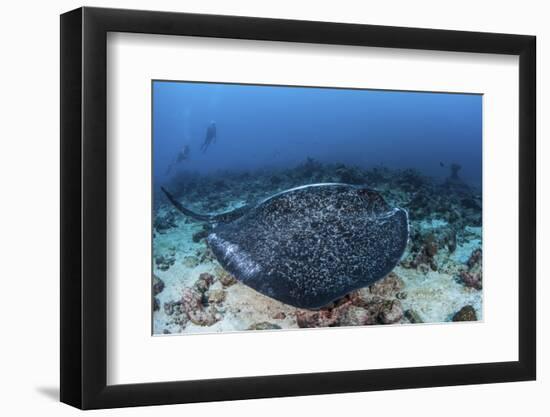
244,175
219,185
202,234
425,256
321,318
471,202
264,326
381,301
156,304
361,297
309,168
390,312
191,261
197,313
475,259
172,307
215,296
419,205
164,262
471,279
428,240
357,316
225,277
360,307
372,297
328,316
377,175
349,236
193,301
372,303
178,317
450,240
430,245
158,285
357,309
169,308
466,313
205,255
164,222
204,282
422,262
350,175
413,316
388,286
411,180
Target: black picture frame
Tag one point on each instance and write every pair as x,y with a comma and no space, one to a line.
84,207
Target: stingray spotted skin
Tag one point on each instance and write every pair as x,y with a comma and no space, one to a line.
311,245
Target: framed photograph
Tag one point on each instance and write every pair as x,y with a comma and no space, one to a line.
257,208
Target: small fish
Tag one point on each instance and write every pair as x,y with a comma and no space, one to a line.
441,164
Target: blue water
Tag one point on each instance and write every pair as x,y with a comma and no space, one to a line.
278,127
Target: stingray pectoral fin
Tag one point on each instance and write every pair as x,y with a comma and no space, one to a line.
310,246
184,210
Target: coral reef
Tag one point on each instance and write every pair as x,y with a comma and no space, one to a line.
194,302
390,312
377,304
165,221
438,279
466,313
225,277
413,317
473,276
264,326
158,285
191,261
215,296
201,234
164,262
350,175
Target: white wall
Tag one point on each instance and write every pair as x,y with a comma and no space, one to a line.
29,224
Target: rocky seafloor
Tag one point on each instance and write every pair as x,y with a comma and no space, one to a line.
439,278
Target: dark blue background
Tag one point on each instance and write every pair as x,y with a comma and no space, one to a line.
265,126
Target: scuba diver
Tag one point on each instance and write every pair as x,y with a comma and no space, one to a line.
210,136
182,155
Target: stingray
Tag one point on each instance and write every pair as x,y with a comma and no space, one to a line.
311,245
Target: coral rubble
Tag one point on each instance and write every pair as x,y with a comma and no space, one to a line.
438,279
466,313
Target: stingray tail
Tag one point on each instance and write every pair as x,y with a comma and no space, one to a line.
186,211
